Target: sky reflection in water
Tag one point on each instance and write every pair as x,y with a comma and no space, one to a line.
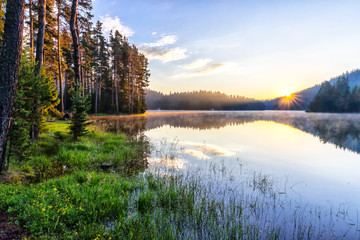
315,155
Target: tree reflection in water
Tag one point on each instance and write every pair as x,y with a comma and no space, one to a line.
342,130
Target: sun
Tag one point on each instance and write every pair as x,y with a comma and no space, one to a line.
287,93
289,100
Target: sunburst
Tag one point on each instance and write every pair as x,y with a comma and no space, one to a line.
289,100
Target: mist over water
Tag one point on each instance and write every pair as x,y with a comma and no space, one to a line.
308,160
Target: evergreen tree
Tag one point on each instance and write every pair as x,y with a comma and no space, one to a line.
39,61
80,106
23,107
341,94
143,74
105,81
354,100
96,63
31,86
337,98
324,101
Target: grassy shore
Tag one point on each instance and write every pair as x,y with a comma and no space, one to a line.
62,192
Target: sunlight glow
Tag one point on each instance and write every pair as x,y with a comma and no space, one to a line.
289,101
287,93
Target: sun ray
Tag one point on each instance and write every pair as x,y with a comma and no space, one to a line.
290,101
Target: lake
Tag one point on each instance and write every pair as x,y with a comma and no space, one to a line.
305,165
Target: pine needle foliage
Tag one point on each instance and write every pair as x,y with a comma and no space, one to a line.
79,109
30,86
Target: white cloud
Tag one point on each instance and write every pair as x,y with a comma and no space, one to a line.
197,63
210,68
157,51
206,70
114,24
154,33
164,55
163,41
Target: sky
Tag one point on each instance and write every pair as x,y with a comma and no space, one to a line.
254,48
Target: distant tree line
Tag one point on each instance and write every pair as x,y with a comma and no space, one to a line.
200,100
336,98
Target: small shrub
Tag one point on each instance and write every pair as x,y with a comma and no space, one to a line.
145,202
79,122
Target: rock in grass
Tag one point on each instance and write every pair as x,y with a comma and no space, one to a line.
105,166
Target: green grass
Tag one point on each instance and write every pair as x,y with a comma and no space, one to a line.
62,193
56,154
94,205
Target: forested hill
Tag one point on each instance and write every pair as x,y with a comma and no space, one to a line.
200,100
305,97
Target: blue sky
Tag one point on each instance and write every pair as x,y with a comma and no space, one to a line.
254,48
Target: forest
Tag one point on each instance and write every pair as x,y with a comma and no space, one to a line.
112,71
64,64
336,98
200,100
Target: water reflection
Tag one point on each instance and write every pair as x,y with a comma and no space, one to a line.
343,130
274,159
130,125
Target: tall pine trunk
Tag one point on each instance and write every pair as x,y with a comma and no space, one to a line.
112,89
116,90
59,57
31,26
40,35
100,89
76,42
9,67
65,88
39,58
132,89
96,92
83,79
112,93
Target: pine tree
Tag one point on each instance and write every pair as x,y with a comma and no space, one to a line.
341,94
96,62
23,107
31,86
337,98
143,82
39,58
80,106
354,100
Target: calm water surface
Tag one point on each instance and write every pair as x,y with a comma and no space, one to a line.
312,159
